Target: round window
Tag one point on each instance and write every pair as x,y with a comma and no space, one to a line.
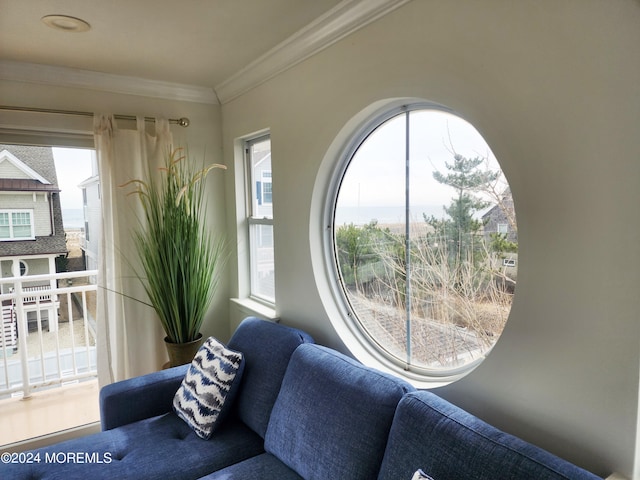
23,268
424,240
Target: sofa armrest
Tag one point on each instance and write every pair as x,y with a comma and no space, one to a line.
140,397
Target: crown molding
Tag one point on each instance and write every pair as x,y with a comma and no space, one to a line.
344,19
106,82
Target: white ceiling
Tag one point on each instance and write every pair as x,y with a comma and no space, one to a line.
203,43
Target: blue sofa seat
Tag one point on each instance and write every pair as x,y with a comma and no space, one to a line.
162,447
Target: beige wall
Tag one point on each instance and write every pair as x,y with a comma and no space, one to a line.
553,88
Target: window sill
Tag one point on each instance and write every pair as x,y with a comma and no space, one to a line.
252,307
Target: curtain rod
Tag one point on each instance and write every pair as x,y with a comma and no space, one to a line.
183,122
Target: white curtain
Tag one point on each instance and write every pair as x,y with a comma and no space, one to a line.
130,338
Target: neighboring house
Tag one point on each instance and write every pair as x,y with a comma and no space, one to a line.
92,217
31,230
501,219
263,179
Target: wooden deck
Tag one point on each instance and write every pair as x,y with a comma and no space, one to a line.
48,411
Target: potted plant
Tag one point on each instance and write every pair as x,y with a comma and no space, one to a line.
180,258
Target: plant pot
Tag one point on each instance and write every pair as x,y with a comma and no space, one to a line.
182,353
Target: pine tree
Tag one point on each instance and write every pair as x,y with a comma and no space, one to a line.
466,178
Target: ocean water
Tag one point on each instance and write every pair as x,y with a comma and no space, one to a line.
384,214
72,218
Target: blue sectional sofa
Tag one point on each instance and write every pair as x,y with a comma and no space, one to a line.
303,411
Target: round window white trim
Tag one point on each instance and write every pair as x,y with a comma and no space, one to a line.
332,169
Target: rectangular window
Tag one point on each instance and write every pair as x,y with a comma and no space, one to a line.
260,218
16,225
267,189
18,221
503,228
508,262
5,229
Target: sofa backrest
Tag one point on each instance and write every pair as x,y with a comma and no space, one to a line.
267,348
332,416
448,443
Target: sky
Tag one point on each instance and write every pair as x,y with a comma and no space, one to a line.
73,166
376,175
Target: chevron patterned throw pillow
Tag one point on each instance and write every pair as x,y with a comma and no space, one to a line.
420,475
208,388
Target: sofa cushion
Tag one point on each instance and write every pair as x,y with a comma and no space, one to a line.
208,388
160,447
449,444
267,347
262,467
332,416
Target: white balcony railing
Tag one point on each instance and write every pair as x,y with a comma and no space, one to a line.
47,334
43,295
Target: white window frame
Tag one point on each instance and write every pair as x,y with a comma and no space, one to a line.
344,318
12,237
254,220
